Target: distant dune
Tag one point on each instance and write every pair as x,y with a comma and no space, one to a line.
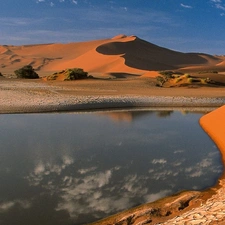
119,56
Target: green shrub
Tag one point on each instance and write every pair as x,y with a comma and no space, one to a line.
167,73
26,72
170,73
75,74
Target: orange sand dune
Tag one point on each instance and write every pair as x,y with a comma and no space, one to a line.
115,56
92,61
214,124
143,55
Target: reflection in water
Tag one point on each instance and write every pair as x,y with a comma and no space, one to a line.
164,113
126,116
78,168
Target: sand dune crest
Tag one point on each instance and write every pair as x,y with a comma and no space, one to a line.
118,55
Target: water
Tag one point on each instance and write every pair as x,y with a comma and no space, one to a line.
66,169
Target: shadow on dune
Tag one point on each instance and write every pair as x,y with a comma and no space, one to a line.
123,75
143,55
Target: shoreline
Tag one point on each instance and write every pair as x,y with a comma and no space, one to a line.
28,96
88,103
212,212
201,207
39,97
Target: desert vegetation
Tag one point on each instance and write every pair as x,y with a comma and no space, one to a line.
166,76
26,72
69,74
176,79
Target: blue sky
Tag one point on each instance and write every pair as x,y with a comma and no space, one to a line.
182,25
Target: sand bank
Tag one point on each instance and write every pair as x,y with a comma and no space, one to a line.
109,102
36,96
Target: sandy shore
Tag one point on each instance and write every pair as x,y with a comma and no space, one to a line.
37,96
213,210
24,96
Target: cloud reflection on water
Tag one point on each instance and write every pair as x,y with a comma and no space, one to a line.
5,206
90,167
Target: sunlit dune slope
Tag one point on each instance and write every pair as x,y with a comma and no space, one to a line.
42,57
118,55
214,125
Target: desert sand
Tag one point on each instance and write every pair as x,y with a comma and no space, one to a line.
23,96
120,56
125,71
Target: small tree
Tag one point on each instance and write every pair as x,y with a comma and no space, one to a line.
26,72
76,74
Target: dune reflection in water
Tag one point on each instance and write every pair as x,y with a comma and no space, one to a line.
77,168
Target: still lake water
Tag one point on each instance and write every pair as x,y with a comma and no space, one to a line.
61,169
